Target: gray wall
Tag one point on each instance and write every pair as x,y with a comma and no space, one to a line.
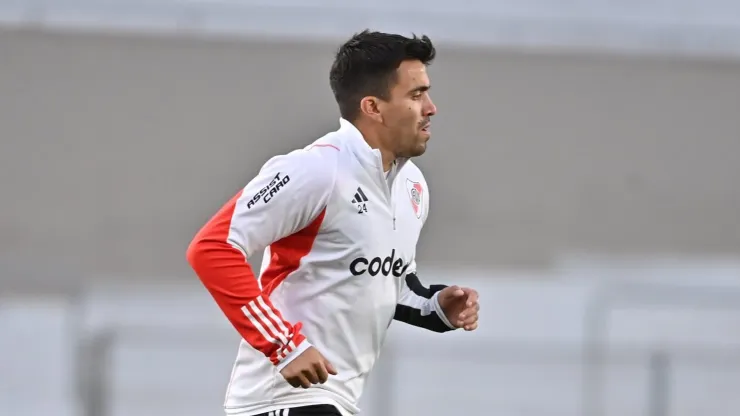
114,150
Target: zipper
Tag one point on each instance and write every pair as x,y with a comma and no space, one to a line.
393,212
392,175
393,200
389,192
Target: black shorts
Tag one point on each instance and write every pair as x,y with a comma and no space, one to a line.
312,410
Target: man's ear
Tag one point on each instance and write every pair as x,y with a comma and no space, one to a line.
370,106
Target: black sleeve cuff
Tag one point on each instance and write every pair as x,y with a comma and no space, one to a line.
417,317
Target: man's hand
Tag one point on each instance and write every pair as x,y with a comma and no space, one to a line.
308,368
460,305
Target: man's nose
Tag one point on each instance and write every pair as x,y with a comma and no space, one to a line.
430,109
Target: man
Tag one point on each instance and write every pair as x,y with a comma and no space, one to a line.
338,222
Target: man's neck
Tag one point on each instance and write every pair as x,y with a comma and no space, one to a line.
388,159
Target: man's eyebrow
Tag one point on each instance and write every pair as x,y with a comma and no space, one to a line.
421,88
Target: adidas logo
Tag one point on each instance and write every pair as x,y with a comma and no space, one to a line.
359,197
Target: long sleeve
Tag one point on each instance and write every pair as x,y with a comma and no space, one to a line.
419,305
283,205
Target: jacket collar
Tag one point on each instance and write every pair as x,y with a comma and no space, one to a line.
366,154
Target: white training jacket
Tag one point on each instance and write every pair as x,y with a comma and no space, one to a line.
339,237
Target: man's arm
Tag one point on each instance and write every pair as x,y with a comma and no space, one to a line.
419,306
288,196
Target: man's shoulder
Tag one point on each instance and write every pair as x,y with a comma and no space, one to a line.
331,143
314,166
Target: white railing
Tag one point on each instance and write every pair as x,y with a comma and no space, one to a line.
151,372
551,346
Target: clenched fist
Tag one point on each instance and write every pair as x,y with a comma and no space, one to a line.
460,305
307,369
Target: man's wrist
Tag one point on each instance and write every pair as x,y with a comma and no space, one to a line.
440,312
303,346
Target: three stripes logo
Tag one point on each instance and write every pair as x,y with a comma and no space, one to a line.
359,196
360,200
282,412
270,326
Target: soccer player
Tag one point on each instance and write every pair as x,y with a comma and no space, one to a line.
338,222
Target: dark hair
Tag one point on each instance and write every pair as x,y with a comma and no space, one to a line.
366,65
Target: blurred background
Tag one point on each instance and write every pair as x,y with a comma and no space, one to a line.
584,171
